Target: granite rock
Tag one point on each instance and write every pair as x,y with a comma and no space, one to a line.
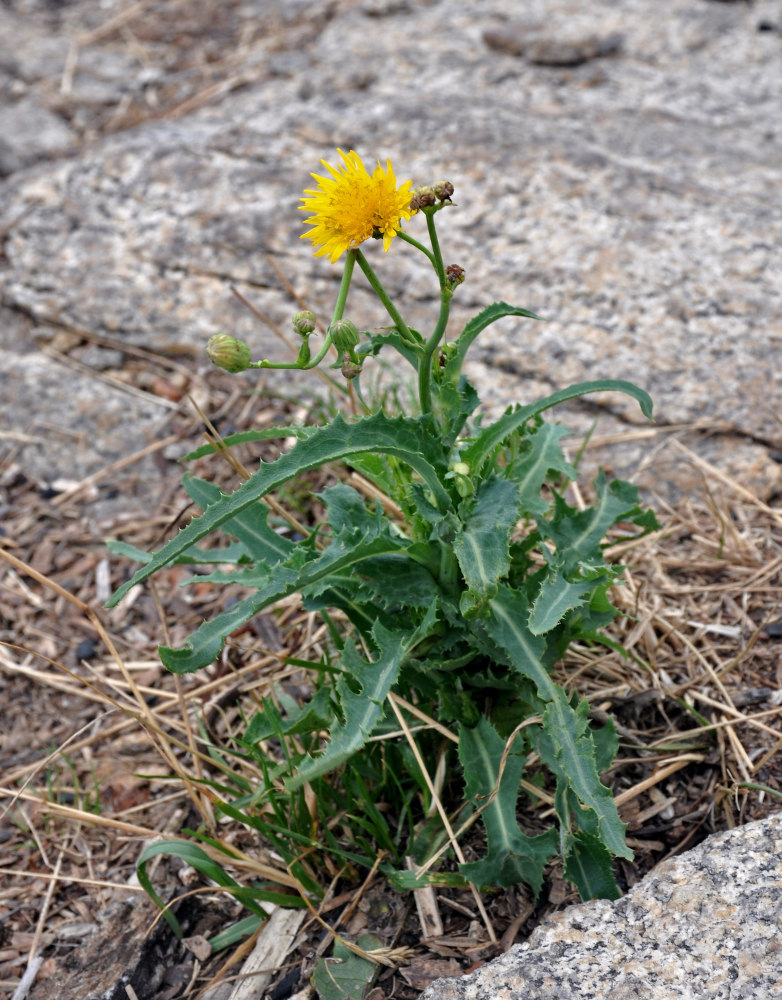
706,924
628,199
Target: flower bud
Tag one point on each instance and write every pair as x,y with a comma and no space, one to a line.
454,275
350,369
422,197
460,473
228,353
344,335
443,190
304,322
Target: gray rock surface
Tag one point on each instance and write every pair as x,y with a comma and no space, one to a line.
630,195
707,924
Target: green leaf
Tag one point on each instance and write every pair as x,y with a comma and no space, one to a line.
204,645
403,880
397,581
348,511
578,534
345,976
303,719
477,325
507,626
245,437
543,455
482,541
251,526
588,866
493,436
556,598
408,440
512,856
236,552
569,750
364,708
312,576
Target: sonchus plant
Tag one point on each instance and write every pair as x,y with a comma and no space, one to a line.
461,600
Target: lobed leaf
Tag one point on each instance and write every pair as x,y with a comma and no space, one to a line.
588,866
558,596
543,455
251,526
569,750
507,627
406,439
483,538
578,533
512,856
364,708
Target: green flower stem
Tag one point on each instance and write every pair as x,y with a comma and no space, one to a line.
419,246
339,309
427,361
436,254
382,294
344,287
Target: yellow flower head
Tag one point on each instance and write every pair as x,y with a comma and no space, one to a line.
350,206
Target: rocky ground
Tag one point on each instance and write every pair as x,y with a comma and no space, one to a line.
616,171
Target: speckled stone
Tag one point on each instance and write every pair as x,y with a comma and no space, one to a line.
629,199
706,924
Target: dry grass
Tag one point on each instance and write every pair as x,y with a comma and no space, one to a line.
93,729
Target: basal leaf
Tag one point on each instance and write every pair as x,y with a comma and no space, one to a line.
400,437
204,645
578,533
246,437
312,576
364,708
235,552
493,435
251,526
512,856
588,866
347,510
569,750
345,976
396,580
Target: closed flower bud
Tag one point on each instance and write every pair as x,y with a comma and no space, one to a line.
228,353
454,274
304,322
422,197
350,369
344,335
443,190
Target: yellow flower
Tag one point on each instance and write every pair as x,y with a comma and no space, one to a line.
350,206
